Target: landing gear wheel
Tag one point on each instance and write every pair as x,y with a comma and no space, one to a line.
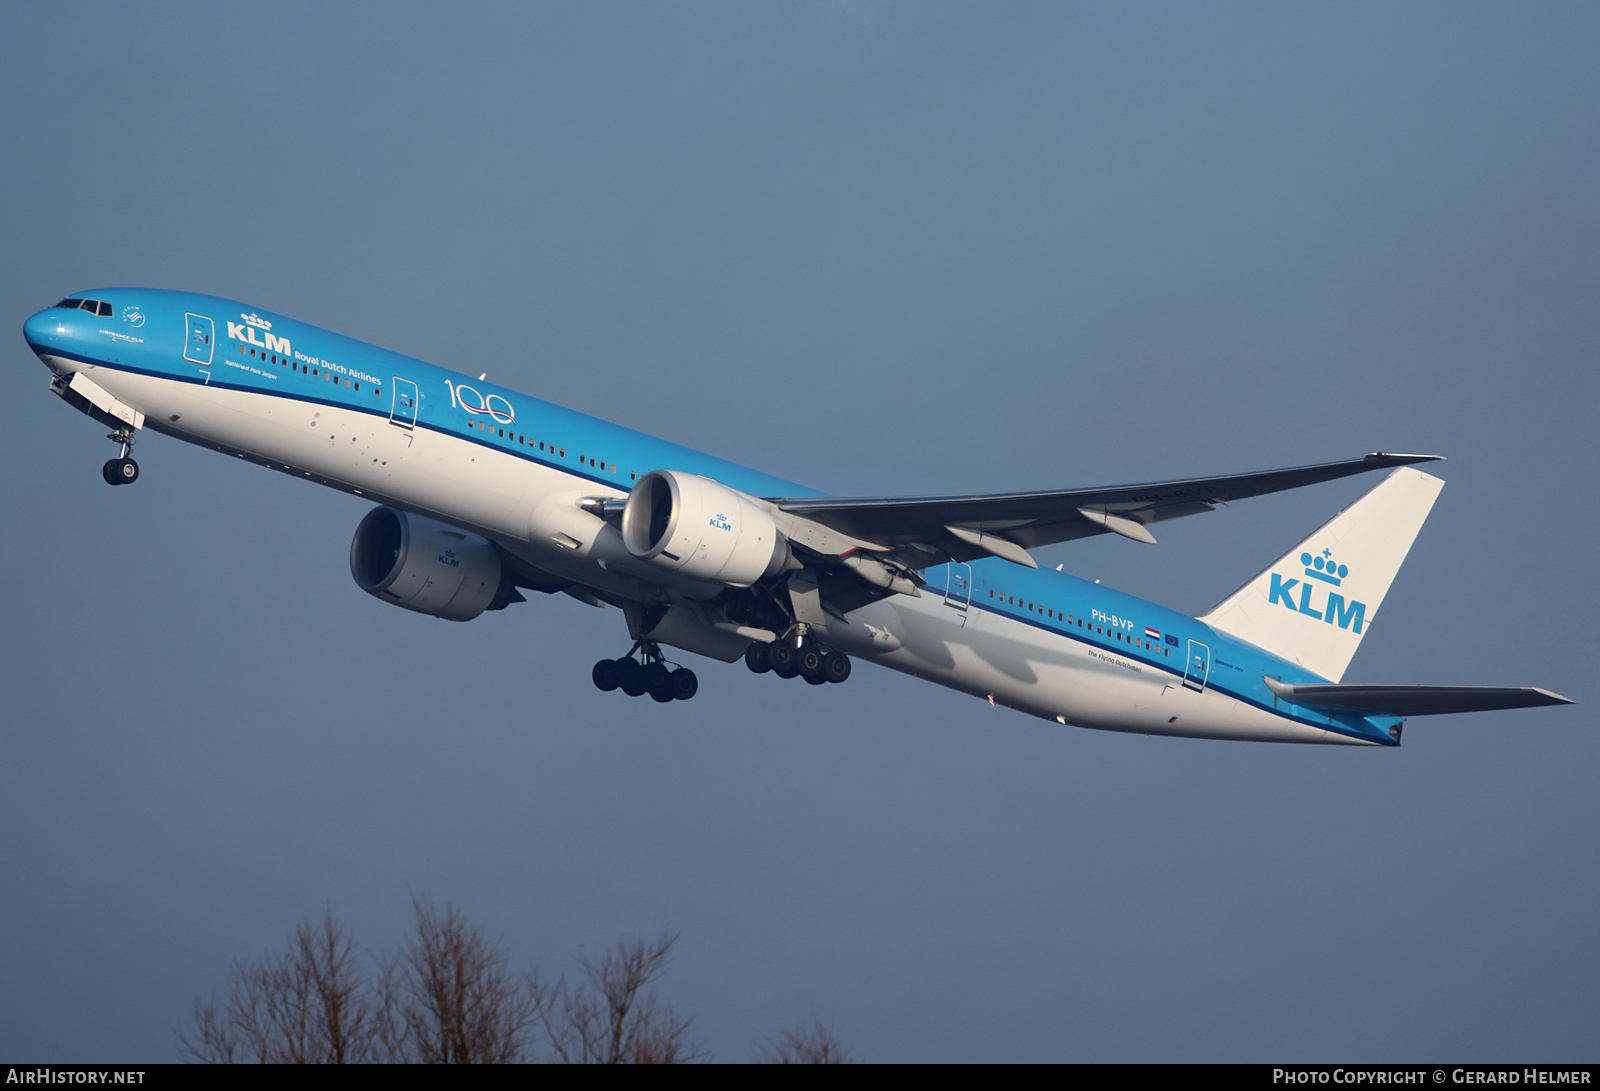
836,666
684,684
656,678
818,679
630,677
120,471
782,656
809,662
605,675
661,694
757,659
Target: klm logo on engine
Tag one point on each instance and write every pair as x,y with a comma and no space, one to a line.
720,521
246,331
1333,609
449,557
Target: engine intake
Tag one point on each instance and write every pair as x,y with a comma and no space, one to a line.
700,528
422,565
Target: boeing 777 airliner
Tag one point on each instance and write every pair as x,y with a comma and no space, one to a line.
484,492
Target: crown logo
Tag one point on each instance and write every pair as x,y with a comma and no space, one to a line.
257,321
1323,568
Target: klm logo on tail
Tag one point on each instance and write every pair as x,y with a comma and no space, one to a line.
1334,609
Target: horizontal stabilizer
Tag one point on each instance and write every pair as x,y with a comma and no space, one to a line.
1416,700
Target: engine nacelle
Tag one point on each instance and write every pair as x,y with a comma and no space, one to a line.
418,564
701,529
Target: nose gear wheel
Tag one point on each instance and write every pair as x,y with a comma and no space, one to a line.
121,470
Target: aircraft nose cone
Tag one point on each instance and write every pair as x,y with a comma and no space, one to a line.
44,330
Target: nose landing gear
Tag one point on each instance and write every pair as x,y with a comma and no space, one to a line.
121,470
653,676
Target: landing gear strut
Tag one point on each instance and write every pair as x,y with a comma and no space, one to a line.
121,470
652,675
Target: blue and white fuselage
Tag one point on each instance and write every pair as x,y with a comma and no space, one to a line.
533,479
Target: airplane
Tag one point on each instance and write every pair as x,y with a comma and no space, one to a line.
484,492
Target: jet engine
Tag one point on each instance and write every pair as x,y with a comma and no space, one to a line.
699,528
418,564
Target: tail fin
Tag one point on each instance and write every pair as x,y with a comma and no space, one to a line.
1314,605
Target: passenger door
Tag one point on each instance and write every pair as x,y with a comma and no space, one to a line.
403,409
958,587
199,335
1198,667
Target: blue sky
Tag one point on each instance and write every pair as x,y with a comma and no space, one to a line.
875,248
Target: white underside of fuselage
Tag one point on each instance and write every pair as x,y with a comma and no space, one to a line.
530,508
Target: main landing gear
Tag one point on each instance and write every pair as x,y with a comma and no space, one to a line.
791,656
121,470
653,676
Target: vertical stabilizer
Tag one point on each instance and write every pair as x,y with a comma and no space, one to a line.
1314,605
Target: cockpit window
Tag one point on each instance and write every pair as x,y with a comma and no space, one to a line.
93,306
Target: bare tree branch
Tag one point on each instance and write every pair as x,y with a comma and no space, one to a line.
814,1044
607,1018
447,998
455,1003
309,1006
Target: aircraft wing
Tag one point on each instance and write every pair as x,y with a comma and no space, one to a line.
1416,700
1008,524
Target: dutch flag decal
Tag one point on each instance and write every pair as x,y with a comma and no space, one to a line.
1151,633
